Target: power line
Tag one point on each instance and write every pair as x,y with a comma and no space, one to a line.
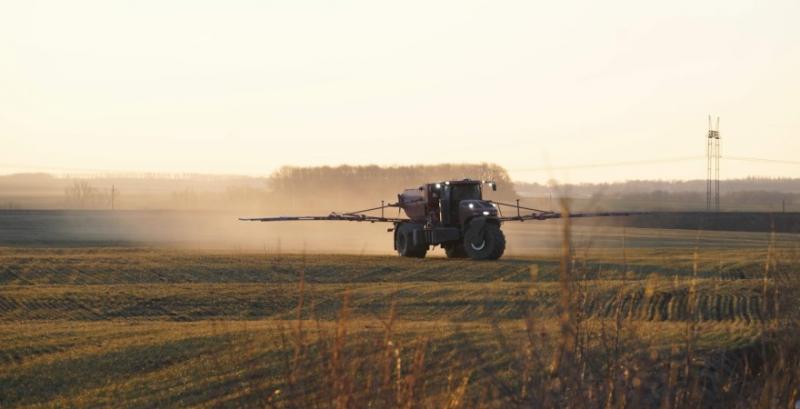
749,159
539,169
609,164
649,162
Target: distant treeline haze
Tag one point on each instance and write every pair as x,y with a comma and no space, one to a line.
748,194
357,187
290,189
347,188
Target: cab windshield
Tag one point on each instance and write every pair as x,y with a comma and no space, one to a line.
465,192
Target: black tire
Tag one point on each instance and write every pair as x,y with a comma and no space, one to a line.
485,243
404,242
455,250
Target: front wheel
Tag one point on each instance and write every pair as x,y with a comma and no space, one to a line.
455,250
486,242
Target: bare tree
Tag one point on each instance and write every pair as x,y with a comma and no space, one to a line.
81,194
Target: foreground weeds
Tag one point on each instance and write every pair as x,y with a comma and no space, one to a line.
576,359
612,328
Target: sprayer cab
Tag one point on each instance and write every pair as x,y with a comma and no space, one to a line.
449,203
451,214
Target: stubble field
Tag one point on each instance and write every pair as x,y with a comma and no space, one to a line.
700,320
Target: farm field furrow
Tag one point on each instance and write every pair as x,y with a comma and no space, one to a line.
653,300
169,327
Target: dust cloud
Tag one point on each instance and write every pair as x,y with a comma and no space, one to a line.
193,229
223,230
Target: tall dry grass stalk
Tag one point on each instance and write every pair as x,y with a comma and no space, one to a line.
563,364
591,359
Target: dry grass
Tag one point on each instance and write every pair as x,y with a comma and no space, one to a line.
639,326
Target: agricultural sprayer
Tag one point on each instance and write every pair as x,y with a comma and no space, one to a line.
451,214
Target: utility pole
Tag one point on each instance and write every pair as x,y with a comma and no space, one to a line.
716,171
113,192
712,166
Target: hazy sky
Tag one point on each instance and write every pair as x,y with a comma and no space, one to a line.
248,86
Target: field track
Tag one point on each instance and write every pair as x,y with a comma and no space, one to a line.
206,328
183,285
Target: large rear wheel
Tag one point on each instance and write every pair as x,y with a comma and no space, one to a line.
404,242
486,242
